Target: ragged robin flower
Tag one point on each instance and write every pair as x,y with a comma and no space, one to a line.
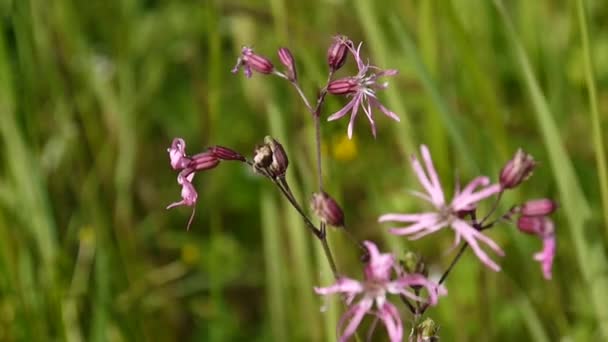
361,88
373,290
446,214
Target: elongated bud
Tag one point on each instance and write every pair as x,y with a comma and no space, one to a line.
203,161
225,153
343,86
327,209
337,52
251,61
517,170
288,61
538,207
536,225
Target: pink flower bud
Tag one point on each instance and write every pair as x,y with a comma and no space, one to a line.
343,86
337,52
327,209
251,61
288,61
225,153
536,225
538,207
203,161
517,170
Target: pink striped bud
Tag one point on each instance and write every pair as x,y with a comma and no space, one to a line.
337,52
225,153
327,209
203,161
517,170
280,162
251,61
538,207
347,85
288,61
537,225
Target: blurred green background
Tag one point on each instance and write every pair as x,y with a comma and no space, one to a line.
92,92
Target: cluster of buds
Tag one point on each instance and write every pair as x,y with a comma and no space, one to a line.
189,166
250,61
270,159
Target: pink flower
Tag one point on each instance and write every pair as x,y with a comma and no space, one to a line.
542,227
447,214
374,289
362,88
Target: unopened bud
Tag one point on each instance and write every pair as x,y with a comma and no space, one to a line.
538,207
225,153
203,161
427,331
517,170
252,61
280,162
327,209
288,61
536,225
343,86
337,52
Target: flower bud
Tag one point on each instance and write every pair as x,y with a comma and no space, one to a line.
327,209
252,61
427,331
343,86
337,52
203,161
279,158
288,61
536,225
517,170
538,207
225,153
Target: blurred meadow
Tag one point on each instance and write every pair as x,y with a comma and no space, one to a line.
92,93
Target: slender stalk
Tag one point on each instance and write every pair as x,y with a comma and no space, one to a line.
327,250
453,263
493,209
600,153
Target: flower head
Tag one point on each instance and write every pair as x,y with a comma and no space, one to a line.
250,61
517,170
447,214
374,288
362,90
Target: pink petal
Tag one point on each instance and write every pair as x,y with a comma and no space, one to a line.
389,315
430,168
478,181
379,265
406,217
357,312
386,111
546,256
416,227
368,112
464,200
469,233
428,230
342,112
342,285
353,115
435,193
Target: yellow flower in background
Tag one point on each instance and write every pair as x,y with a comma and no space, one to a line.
190,254
343,148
